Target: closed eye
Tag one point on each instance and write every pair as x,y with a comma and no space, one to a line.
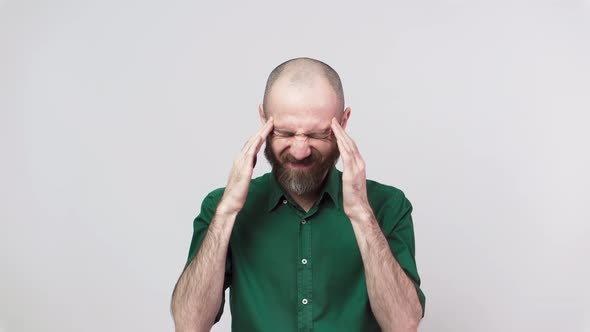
323,135
282,134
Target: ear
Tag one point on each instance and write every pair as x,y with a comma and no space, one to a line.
261,114
345,117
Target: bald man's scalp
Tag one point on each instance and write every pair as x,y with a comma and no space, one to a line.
304,71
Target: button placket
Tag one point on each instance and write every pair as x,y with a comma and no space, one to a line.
305,275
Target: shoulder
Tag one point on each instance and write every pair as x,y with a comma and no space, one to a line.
258,186
382,191
260,183
216,193
382,196
258,194
389,204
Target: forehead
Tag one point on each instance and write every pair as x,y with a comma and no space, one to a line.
301,120
302,108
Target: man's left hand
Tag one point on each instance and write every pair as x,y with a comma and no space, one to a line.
354,178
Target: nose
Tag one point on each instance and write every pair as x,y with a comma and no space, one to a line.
300,148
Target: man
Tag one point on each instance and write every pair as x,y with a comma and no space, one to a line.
306,247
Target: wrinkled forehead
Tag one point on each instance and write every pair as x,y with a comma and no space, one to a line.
303,107
303,122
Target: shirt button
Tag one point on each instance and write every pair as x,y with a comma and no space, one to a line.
304,301
304,261
284,201
304,221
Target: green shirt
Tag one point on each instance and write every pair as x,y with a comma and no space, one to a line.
291,270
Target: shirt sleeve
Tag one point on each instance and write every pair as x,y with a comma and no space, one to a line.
200,227
398,227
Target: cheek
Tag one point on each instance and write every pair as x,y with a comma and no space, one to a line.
278,147
325,148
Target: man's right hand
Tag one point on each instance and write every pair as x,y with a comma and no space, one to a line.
197,296
238,184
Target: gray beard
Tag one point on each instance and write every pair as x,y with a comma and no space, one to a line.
298,182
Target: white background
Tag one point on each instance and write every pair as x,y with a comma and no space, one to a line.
117,117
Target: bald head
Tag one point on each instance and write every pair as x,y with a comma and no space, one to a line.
305,73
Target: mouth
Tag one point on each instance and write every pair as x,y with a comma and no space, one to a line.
300,165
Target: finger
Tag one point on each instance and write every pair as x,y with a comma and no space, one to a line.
347,144
343,144
267,128
260,137
344,154
262,132
345,137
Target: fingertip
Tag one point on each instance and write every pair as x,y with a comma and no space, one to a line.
335,129
336,124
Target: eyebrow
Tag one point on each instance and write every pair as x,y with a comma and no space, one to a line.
286,131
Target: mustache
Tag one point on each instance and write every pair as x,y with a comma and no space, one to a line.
312,158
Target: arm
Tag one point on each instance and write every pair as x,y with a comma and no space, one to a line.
197,296
198,293
392,294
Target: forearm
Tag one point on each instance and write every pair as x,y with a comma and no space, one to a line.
392,294
198,293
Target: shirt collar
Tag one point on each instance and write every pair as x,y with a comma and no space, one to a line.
332,188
